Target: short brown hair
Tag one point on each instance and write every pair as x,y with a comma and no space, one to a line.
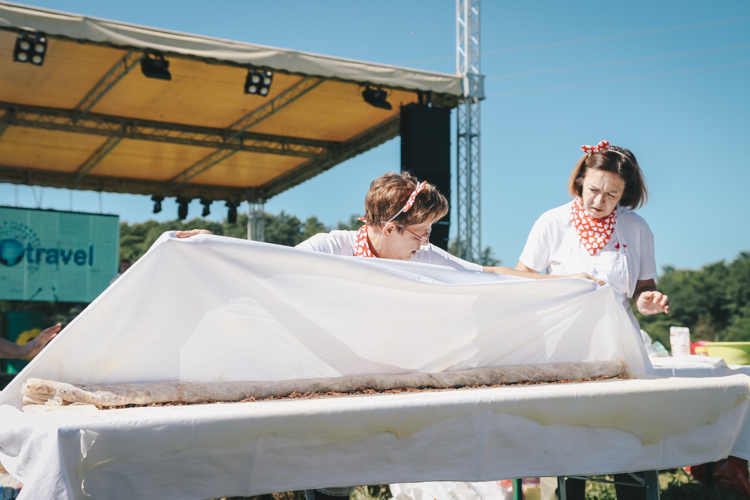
619,161
390,192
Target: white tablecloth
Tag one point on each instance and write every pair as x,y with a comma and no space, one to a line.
208,451
696,366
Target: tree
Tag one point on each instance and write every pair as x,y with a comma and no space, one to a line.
281,229
352,224
714,302
487,256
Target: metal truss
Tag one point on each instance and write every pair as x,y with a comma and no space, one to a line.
256,222
468,129
147,130
47,178
119,70
98,156
358,144
234,131
368,139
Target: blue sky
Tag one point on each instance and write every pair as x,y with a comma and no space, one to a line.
668,80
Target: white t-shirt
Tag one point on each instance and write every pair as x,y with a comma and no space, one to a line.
628,256
343,243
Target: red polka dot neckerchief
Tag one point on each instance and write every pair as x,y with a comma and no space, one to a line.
362,246
593,233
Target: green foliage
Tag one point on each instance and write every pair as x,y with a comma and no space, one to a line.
281,229
695,491
376,492
714,302
601,491
487,258
351,225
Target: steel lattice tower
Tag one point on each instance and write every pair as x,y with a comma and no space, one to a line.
468,129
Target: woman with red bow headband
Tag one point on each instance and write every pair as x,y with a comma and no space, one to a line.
599,233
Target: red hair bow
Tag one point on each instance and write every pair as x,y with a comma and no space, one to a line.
602,146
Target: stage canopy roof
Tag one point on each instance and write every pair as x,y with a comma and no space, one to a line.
88,118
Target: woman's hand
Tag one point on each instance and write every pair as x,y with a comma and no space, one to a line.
35,345
584,276
652,302
192,232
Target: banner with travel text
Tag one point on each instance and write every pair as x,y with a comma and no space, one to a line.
47,255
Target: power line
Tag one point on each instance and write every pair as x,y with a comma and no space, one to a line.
621,80
589,40
616,63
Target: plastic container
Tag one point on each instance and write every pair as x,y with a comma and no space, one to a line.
679,338
699,348
734,353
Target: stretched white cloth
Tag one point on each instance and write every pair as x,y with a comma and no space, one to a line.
210,308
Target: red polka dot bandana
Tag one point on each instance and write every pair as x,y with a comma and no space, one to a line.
594,233
362,245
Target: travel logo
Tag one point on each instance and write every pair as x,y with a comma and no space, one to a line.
19,242
15,237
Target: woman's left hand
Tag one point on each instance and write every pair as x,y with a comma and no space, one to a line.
35,345
652,302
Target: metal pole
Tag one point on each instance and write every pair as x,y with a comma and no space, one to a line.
256,221
468,130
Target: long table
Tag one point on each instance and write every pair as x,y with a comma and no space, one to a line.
214,450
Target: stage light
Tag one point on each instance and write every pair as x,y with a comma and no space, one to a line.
376,97
30,47
182,207
206,206
232,212
153,65
258,82
157,202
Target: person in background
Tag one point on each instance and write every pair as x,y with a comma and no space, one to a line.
124,266
599,233
10,350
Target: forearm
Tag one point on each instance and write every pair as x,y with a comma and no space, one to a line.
10,350
507,271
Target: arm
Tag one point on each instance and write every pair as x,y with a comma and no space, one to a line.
525,272
192,232
30,349
648,300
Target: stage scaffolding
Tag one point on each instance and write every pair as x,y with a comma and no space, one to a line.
468,130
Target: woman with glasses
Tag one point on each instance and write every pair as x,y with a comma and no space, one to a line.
399,214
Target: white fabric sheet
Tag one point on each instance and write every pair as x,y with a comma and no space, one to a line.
210,308
79,27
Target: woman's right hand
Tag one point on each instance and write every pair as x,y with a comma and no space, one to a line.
192,232
586,276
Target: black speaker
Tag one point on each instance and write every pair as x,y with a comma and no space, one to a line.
426,154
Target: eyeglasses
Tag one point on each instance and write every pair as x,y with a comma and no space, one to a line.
424,238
